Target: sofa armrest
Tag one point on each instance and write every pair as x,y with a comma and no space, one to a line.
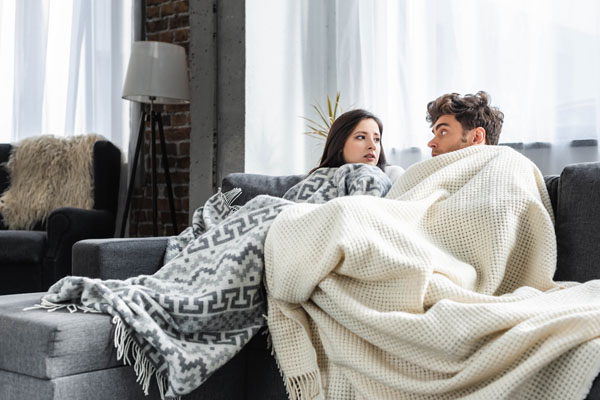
577,221
118,258
65,226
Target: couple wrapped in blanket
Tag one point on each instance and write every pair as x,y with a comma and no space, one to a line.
436,284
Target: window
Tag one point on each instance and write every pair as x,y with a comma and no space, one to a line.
63,65
538,59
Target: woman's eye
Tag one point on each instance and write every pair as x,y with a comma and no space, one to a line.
378,139
360,137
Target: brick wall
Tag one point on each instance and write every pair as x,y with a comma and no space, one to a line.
166,21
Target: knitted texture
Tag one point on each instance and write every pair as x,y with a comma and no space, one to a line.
441,290
48,172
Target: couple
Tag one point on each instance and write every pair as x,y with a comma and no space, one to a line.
413,294
457,121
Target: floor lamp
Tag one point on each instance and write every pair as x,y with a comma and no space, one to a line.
157,74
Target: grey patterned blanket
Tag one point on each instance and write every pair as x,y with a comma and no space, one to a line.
193,315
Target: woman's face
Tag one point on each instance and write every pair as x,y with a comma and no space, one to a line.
364,143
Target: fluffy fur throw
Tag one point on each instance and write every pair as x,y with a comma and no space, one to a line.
48,172
441,290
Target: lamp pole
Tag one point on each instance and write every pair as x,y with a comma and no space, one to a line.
155,121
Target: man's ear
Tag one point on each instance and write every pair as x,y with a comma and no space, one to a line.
479,136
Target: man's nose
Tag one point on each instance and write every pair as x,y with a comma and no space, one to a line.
432,143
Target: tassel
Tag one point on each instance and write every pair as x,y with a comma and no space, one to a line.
51,307
144,370
306,386
303,387
231,195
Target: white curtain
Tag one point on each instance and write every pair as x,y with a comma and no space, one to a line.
539,60
62,65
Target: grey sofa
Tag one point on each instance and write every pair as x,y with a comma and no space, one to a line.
70,356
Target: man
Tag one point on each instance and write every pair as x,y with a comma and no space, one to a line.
462,121
450,284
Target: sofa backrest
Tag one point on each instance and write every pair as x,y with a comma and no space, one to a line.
578,222
254,184
575,197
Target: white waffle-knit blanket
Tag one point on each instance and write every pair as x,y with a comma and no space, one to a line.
442,290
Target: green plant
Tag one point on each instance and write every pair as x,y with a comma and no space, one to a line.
320,129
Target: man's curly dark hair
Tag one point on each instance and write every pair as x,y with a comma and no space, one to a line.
471,110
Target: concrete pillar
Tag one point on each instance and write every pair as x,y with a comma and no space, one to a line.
217,71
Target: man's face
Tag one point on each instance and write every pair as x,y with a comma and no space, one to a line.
448,135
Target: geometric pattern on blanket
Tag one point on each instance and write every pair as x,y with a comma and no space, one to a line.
441,290
194,314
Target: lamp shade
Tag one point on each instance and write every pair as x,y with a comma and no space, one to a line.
157,72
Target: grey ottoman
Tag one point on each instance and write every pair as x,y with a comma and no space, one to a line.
71,356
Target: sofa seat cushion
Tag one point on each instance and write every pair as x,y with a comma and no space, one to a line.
48,345
22,247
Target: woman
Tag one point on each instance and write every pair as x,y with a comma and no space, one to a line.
354,137
185,321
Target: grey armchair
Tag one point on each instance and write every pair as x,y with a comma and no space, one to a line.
33,260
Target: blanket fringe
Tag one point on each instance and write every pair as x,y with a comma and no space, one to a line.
230,196
304,387
144,370
51,307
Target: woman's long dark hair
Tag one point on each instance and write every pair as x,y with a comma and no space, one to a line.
338,134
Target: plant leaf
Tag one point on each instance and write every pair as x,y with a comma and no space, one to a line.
321,115
320,129
337,101
315,125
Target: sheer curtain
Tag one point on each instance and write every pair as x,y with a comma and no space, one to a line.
62,64
539,60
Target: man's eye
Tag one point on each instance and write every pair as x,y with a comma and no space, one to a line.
444,132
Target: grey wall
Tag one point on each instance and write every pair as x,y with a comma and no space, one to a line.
217,76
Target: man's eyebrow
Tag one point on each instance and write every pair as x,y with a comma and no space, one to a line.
439,125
